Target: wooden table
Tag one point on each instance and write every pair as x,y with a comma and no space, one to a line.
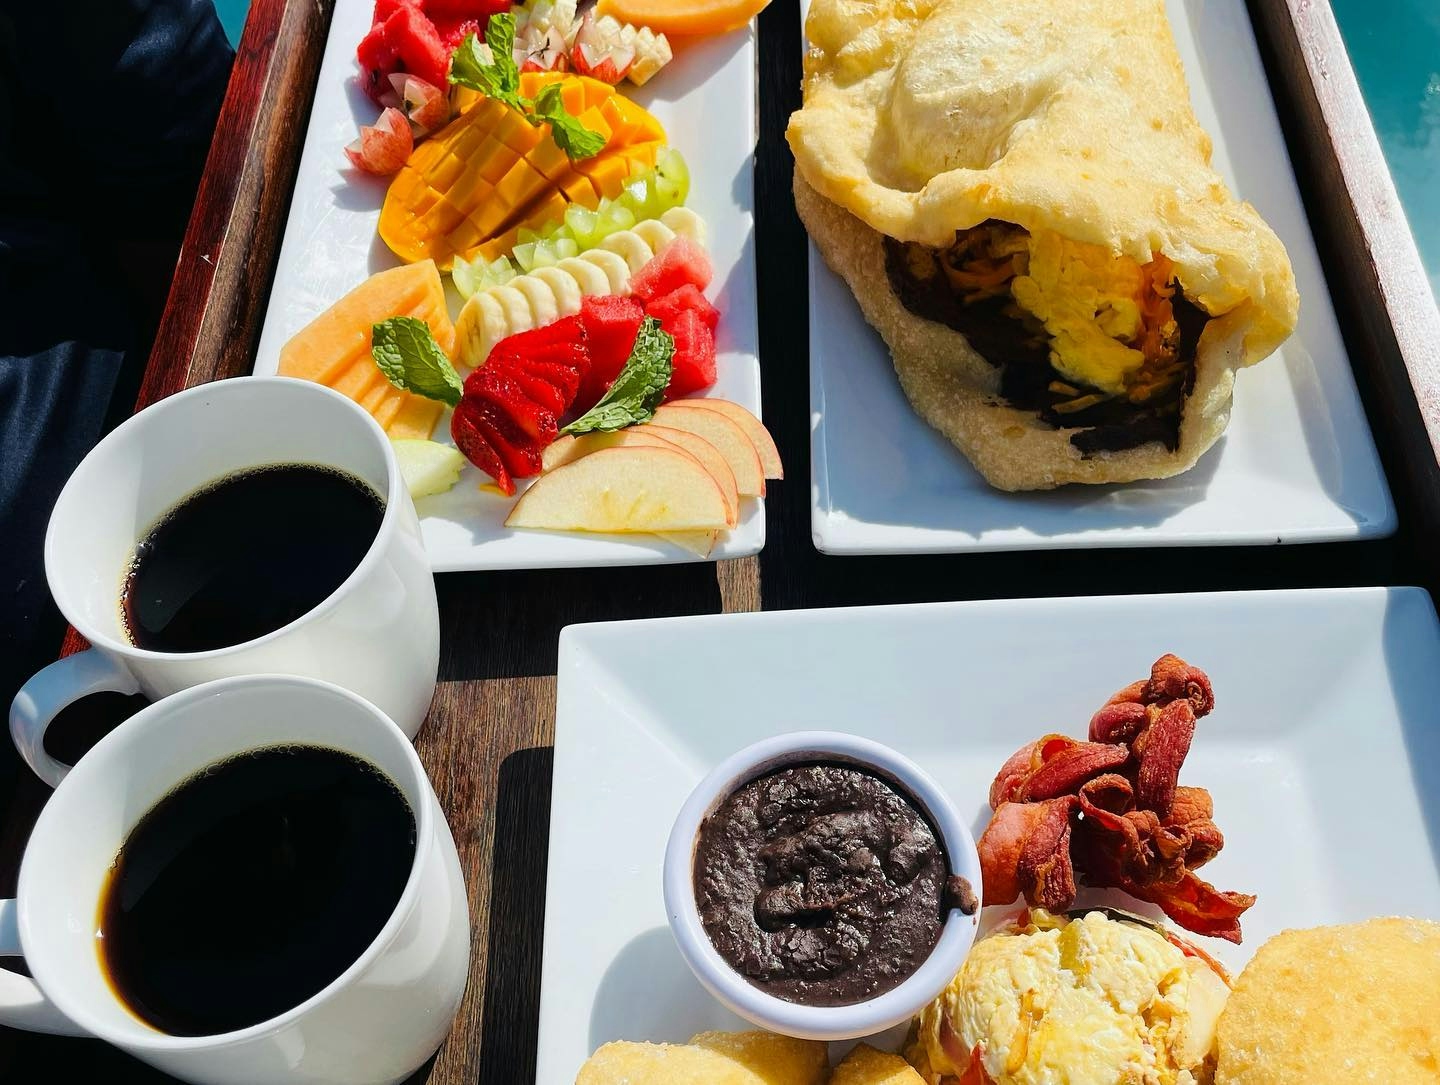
486,743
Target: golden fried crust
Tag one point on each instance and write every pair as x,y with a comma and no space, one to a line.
1357,1004
955,390
711,1058
866,1066
923,117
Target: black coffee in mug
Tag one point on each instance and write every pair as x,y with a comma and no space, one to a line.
247,555
252,886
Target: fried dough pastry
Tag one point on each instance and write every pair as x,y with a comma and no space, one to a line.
1042,154
866,1066
1358,1004
711,1058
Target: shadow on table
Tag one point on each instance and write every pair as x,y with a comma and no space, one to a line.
507,625
510,1025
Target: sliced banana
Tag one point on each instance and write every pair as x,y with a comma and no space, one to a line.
614,267
686,223
631,247
564,286
543,300
547,294
655,234
589,278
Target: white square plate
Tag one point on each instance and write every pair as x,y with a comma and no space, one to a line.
706,100
1322,754
1297,464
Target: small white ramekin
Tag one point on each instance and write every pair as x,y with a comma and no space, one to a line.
729,986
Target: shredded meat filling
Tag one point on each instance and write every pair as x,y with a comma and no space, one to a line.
968,287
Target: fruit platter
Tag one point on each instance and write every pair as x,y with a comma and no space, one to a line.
521,243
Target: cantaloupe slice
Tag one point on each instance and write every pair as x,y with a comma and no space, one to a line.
489,171
684,17
334,348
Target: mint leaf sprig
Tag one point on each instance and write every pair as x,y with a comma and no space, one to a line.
639,388
411,360
491,69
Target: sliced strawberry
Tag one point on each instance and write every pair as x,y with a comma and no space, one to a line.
536,389
521,455
384,146
674,303
471,441
693,366
564,378
566,331
535,421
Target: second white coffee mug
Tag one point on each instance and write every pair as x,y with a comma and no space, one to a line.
374,1024
378,633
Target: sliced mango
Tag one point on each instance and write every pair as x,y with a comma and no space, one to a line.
473,185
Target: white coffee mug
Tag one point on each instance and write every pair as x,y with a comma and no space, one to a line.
375,1023
378,633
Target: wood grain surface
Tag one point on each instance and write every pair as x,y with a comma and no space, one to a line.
487,741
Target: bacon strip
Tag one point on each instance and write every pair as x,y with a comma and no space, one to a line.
1110,811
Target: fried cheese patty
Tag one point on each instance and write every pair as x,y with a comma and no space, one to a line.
1091,1001
1358,1004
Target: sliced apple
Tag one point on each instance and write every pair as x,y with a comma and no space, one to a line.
624,489
728,438
707,454
699,543
753,427
569,449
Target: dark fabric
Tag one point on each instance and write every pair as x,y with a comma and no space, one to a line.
107,108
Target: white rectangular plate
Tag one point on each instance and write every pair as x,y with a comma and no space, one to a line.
1323,736
706,100
1297,464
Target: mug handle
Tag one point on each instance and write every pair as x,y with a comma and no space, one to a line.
22,1004
51,691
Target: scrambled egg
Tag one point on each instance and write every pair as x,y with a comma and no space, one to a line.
1086,1002
1088,300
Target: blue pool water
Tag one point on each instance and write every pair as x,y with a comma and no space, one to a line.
1395,47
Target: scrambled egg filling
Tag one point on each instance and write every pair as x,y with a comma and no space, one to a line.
1088,1002
1110,320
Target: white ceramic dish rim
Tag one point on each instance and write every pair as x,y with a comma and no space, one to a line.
727,985
416,782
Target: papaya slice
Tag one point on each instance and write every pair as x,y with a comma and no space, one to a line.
489,173
334,348
684,17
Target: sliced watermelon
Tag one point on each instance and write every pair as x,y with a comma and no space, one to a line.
611,324
469,439
693,367
678,263
405,42
463,9
674,303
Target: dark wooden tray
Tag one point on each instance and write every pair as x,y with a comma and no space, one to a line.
487,740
